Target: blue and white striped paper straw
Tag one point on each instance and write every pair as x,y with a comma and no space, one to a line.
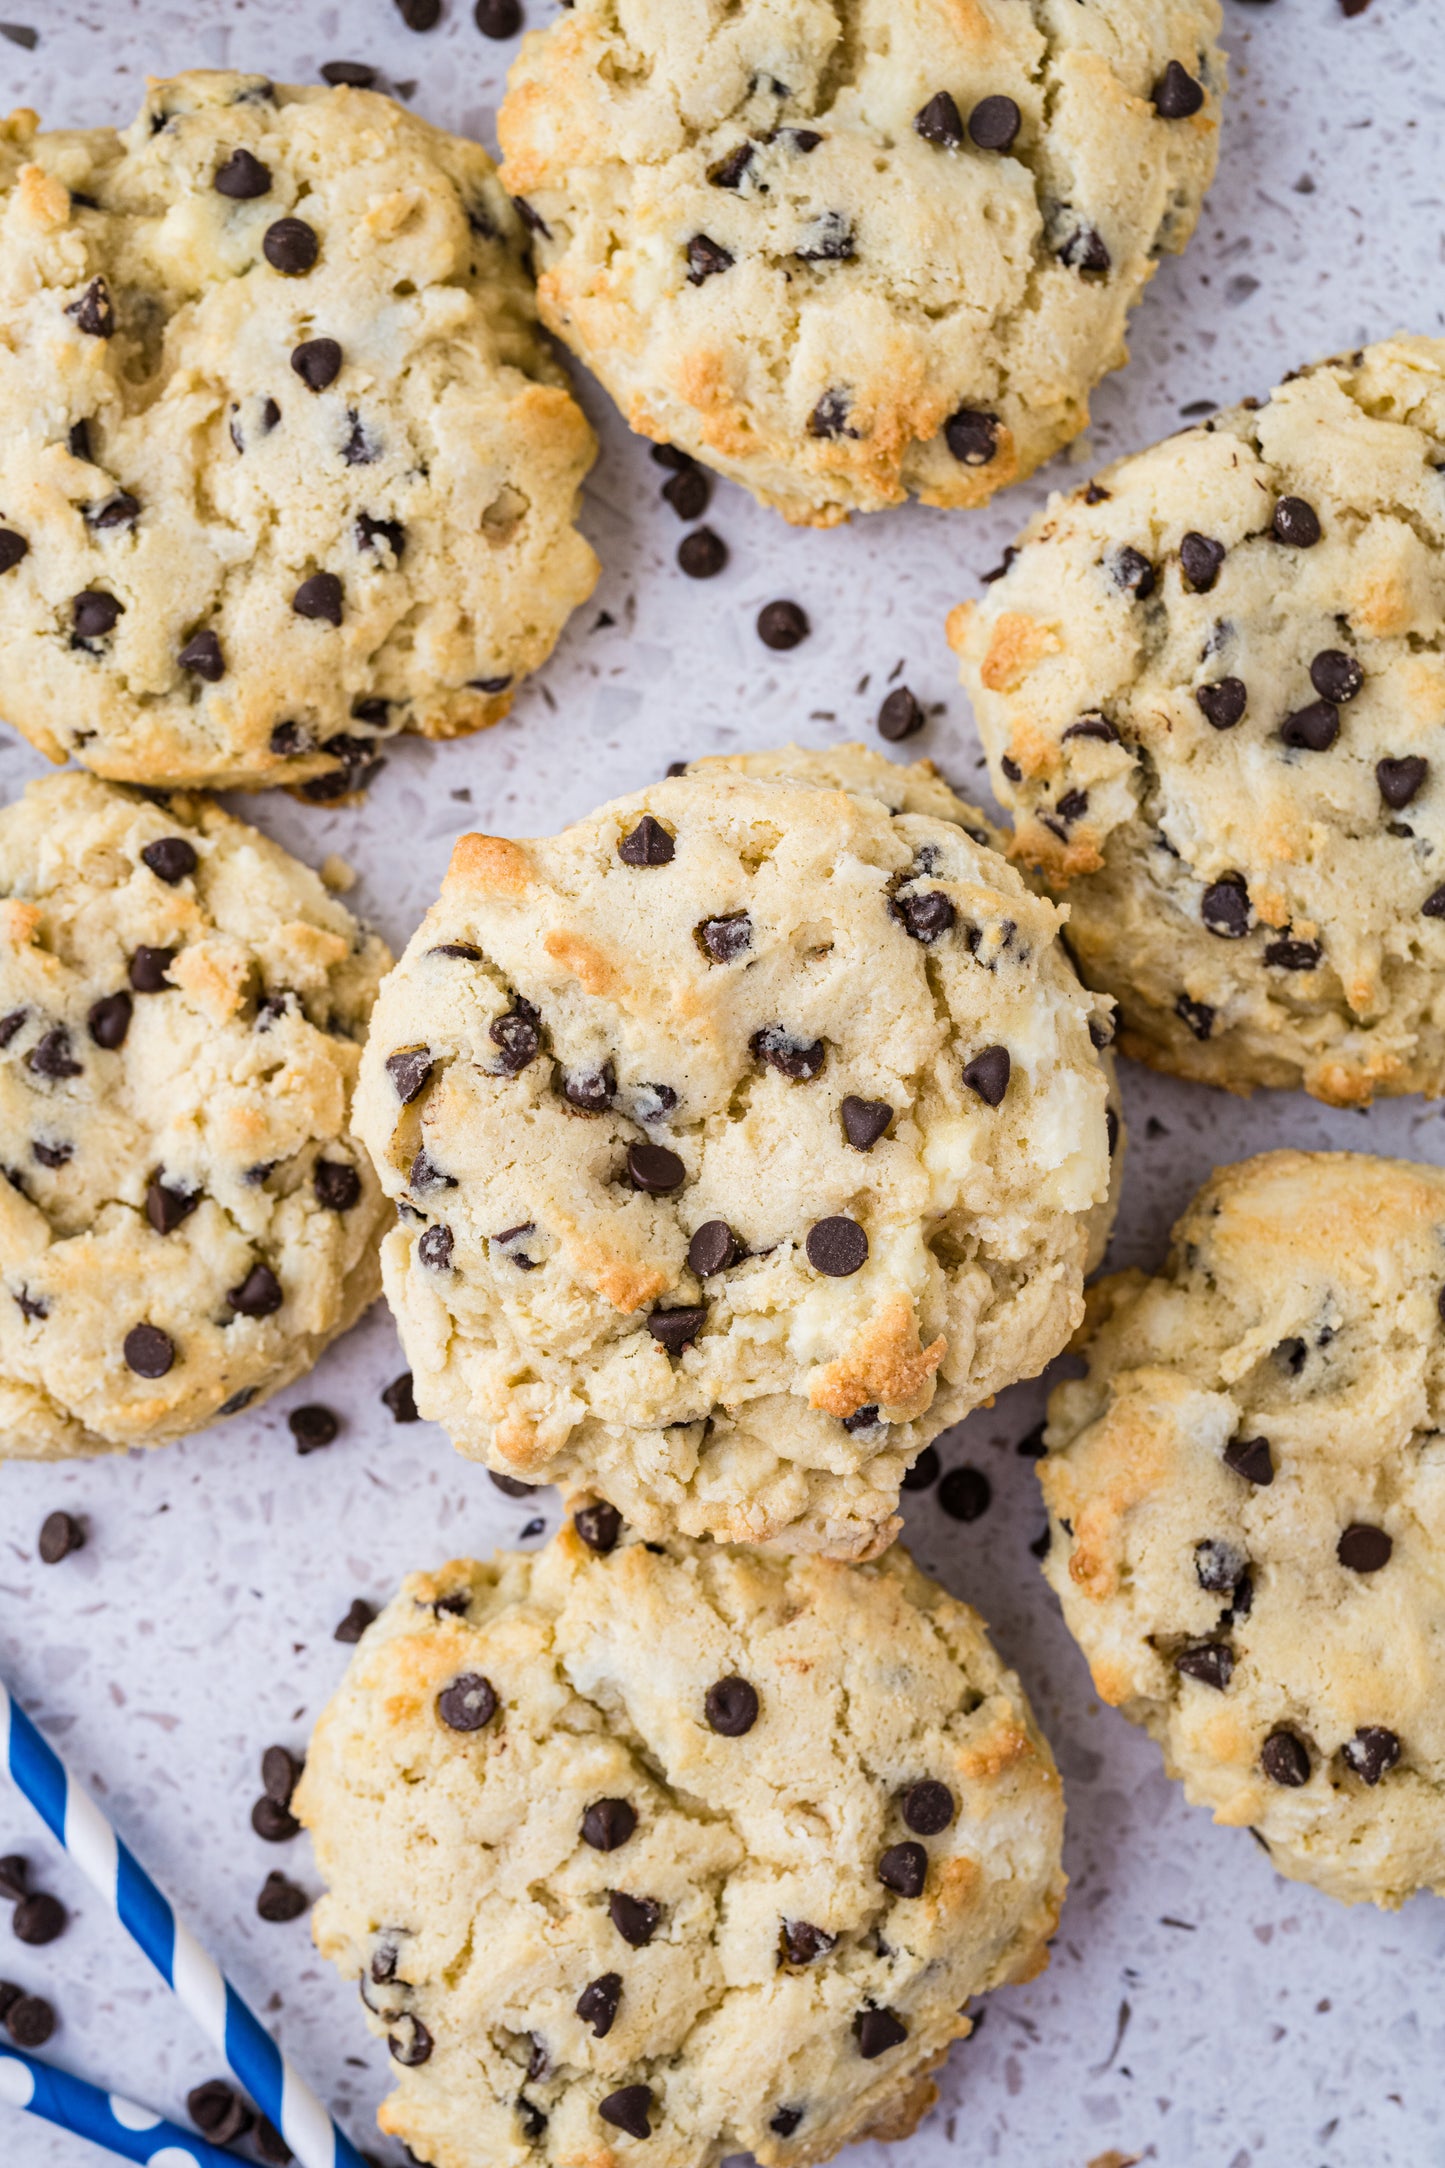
148,1916
106,2119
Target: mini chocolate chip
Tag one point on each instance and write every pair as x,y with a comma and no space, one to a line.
1336,676
865,1418
830,417
591,1091
705,259
940,121
412,2045
865,1121
648,844
1132,572
1223,703
789,1056
1086,251
1285,1759
1200,558
280,1774
731,1707
239,1400
166,1207
1091,726
1251,1458
925,1471
273,1821
689,493
291,247
498,18
965,1493
1292,955
347,74
400,1398
599,1526
337,1186
435,1249
1211,1662
13,547
259,1294
994,122
369,532
39,1918
1224,907
655,1170
635,1918
93,312
1313,729
837,1246
725,939
280,1900
218,2111
627,2109
148,1351
518,1034
903,1868
702,554
677,1329
924,917
1371,1752
242,177
410,1071
1364,1549
1434,904
988,1073
878,2030
1071,807
928,1807
1399,780
597,2003
289,740
60,1534
171,859
30,2021
147,969
510,1486
1295,523
803,1944
317,362
359,1616
1031,1445
53,1155
319,597
608,1823
1198,1015
728,172
713,1249
94,614
1177,95
202,656
900,716
782,625
121,510
1217,1565
972,436
468,1704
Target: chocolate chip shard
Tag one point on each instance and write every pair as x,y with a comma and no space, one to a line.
729,171
648,844
724,939
791,1057
468,1704
599,1526
93,313
424,1174
608,1823
94,614
121,510
987,1074
1092,725
1198,1015
519,1035
903,1868
51,1056
1217,1565
865,1121
13,547
706,259
786,2121
1131,572
1251,1458
1210,1662
1285,1759
1086,251
410,1071
830,417
591,1091
801,1943
411,2044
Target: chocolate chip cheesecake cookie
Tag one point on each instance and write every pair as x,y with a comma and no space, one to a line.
843,253
1247,1511
1211,686
285,464
677,1844
742,1136
185,1221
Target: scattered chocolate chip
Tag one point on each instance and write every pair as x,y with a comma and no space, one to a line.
1371,1752
608,1823
166,1207
599,1526
1399,780
92,312
171,859
270,2145
689,492
627,2109
1364,1549
510,1486
837,1246
597,2003
903,1868
30,2021
519,1036
239,1400
218,2111
1287,955
435,1249
242,177
728,172
1251,1458
1031,1445
1224,907
410,1070
369,532
1086,251
830,417
317,362
1295,523
347,74
789,1056
1285,1759
965,1493
13,547
94,614
319,597
399,1397
1434,904
731,1707
109,1021
925,916
1217,1565
713,1249
411,2044
1313,729
39,1918
925,1471
865,1418
994,122
928,1807
635,1918
148,1351
878,2030
649,844
702,554
786,2121
865,1120
803,1944
498,18
1176,94
202,656
1132,572
705,259
313,1427
468,1704
358,1617
1200,558
1090,726
1336,676
591,1091
677,1329
988,1073
60,1534
940,121
337,1186
148,967
831,240
782,625
654,1170
725,939
1223,703
259,1294
1211,1662
1198,1015
121,510
52,1155
971,436
901,716
291,247
280,1774
273,1821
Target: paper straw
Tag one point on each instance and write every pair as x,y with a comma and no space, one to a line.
104,2118
72,1816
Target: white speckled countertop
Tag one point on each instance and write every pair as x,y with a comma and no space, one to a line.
1198,2009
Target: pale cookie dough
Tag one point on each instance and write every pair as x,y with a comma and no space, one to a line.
1211,686
845,251
743,1136
671,1854
185,1221
286,465
1247,1511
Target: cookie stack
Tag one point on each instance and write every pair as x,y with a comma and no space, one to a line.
719,1151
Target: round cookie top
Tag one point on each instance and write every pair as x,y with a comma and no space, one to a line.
1247,1504
184,1220
1210,686
846,253
675,1842
743,1135
285,464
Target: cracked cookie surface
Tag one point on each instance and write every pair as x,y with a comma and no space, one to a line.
1247,1512
286,465
185,1221
675,1841
743,1135
846,251
1211,686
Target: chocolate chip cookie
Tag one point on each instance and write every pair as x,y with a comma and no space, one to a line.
1247,1512
675,1843
848,254
285,464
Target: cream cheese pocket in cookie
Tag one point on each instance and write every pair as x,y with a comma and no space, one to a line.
286,465
679,1843
741,1137
843,253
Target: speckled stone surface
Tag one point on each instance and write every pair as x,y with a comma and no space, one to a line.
1198,2009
